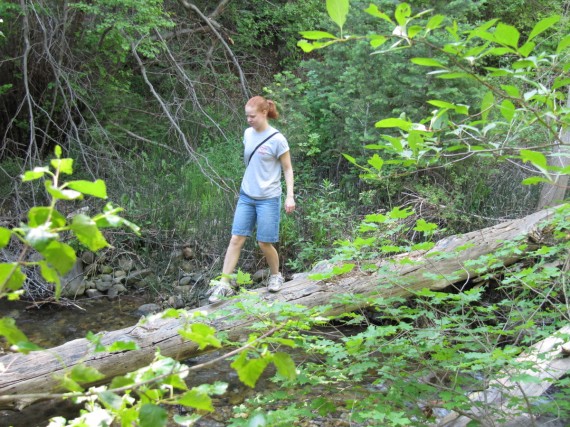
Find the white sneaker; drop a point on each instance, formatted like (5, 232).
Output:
(275, 282)
(219, 291)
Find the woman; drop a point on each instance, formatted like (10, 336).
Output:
(266, 155)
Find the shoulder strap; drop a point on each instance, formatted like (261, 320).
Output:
(259, 145)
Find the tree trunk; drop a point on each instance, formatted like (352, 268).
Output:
(34, 373)
(551, 194)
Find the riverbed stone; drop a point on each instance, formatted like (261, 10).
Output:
(186, 280)
(147, 309)
(126, 264)
(105, 269)
(88, 257)
(115, 291)
(72, 284)
(260, 275)
(119, 273)
(187, 253)
(103, 286)
(176, 301)
(93, 293)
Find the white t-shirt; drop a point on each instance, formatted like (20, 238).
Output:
(262, 178)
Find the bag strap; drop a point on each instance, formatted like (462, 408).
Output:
(259, 145)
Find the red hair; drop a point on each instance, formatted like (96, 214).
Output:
(262, 104)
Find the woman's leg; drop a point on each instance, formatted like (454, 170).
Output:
(232, 256)
(271, 256)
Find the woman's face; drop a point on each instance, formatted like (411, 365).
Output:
(257, 119)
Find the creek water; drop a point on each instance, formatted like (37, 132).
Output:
(51, 325)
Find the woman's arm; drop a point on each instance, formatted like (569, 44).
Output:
(287, 167)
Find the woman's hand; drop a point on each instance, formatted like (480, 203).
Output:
(289, 204)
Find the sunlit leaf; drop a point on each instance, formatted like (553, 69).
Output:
(338, 10)
(196, 399)
(305, 46)
(34, 174)
(374, 11)
(11, 276)
(83, 374)
(63, 165)
(486, 103)
(285, 365)
(427, 62)
(60, 194)
(201, 334)
(507, 35)
(88, 233)
(60, 255)
(317, 35)
(5, 235)
(507, 109)
(9, 330)
(152, 416)
(248, 370)
(543, 25)
(39, 215)
(96, 188)
(394, 123)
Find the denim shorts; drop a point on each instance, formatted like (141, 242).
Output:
(266, 213)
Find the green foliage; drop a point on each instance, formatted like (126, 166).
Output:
(43, 231)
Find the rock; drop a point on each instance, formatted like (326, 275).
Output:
(186, 280)
(102, 285)
(89, 284)
(120, 273)
(88, 257)
(72, 284)
(106, 277)
(187, 253)
(184, 291)
(115, 291)
(126, 263)
(105, 269)
(147, 309)
(187, 266)
(93, 293)
(176, 301)
(136, 276)
(260, 275)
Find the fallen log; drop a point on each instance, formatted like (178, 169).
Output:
(493, 406)
(23, 377)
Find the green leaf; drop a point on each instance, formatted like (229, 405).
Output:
(305, 46)
(526, 49)
(427, 62)
(9, 330)
(285, 365)
(34, 174)
(57, 151)
(374, 11)
(377, 40)
(563, 44)
(397, 213)
(39, 215)
(402, 13)
(201, 334)
(345, 268)
(70, 385)
(506, 35)
(83, 374)
(49, 274)
(152, 416)
(88, 233)
(376, 162)
(511, 90)
(96, 188)
(317, 35)
(394, 123)
(435, 22)
(196, 399)
(507, 109)
(560, 82)
(60, 255)
(338, 10)
(63, 165)
(349, 158)
(425, 227)
(543, 25)
(376, 218)
(534, 157)
(486, 104)
(62, 194)
(249, 371)
(533, 180)
(120, 346)
(11, 276)
(5, 235)
(110, 400)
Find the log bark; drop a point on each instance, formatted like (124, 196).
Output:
(550, 361)
(21, 375)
